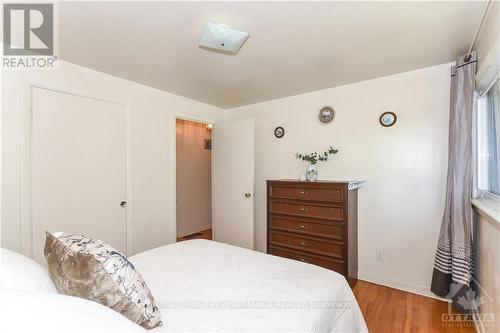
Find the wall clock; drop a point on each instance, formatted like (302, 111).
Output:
(279, 132)
(387, 119)
(326, 114)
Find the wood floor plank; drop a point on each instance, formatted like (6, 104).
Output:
(205, 234)
(388, 310)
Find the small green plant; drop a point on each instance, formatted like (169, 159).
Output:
(313, 158)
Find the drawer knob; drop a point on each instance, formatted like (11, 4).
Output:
(303, 226)
(303, 209)
(303, 243)
(303, 192)
(302, 259)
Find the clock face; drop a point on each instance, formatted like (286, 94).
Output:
(388, 119)
(279, 132)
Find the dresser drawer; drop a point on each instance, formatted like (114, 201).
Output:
(329, 263)
(306, 243)
(308, 210)
(333, 230)
(309, 194)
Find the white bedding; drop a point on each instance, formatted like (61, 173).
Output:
(54, 313)
(205, 286)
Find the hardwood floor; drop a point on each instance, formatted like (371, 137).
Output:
(389, 310)
(205, 234)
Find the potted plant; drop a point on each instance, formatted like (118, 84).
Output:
(313, 158)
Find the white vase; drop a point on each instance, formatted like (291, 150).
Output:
(312, 173)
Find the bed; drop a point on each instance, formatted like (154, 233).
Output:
(199, 286)
(206, 286)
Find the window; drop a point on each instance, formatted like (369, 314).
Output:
(488, 142)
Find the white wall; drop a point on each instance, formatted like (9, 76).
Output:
(489, 38)
(487, 236)
(194, 178)
(487, 230)
(152, 129)
(401, 204)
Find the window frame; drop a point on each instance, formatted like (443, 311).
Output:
(486, 202)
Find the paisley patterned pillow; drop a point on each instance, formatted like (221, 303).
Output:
(87, 268)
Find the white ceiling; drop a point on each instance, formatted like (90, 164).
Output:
(294, 47)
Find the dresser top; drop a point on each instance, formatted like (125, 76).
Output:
(351, 184)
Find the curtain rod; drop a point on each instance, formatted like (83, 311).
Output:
(467, 57)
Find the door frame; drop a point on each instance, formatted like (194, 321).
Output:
(26, 130)
(172, 160)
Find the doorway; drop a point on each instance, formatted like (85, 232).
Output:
(193, 180)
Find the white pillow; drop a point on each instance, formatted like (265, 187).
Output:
(21, 273)
(55, 313)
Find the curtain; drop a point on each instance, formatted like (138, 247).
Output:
(452, 274)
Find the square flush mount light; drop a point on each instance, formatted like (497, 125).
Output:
(220, 37)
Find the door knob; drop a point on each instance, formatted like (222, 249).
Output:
(123, 204)
(248, 195)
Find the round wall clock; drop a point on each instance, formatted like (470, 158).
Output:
(387, 119)
(279, 132)
(326, 114)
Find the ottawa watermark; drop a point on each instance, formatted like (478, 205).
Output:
(30, 36)
(471, 302)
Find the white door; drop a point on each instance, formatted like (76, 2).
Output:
(233, 165)
(79, 168)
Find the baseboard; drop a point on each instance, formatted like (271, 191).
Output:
(408, 287)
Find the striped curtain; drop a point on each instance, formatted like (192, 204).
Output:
(452, 275)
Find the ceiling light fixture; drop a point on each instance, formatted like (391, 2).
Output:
(220, 37)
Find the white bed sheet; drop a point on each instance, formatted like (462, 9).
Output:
(206, 286)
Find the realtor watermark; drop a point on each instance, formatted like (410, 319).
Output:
(470, 302)
(30, 36)
(254, 304)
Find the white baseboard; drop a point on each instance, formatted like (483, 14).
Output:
(404, 286)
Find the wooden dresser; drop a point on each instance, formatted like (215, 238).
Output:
(314, 222)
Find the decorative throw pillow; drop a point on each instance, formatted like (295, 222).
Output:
(87, 268)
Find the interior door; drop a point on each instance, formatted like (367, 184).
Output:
(79, 168)
(233, 165)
